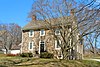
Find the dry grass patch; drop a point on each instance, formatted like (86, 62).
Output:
(40, 62)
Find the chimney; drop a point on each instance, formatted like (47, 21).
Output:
(33, 17)
(72, 12)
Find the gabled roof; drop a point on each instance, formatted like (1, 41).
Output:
(34, 25)
(15, 47)
(39, 24)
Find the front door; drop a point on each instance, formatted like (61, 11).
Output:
(41, 46)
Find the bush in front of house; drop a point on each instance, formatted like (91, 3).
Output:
(26, 55)
(46, 55)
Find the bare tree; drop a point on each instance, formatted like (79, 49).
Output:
(11, 35)
(75, 19)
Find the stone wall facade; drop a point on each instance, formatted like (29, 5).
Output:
(49, 42)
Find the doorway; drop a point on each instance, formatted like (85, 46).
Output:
(41, 46)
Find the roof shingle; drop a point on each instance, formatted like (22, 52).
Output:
(39, 24)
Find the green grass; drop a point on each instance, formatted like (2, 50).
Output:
(97, 57)
(7, 61)
(92, 56)
(91, 63)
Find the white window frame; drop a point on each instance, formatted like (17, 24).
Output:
(32, 33)
(32, 45)
(57, 48)
(41, 32)
(39, 46)
(58, 31)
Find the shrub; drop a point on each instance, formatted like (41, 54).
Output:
(36, 52)
(30, 55)
(26, 55)
(46, 55)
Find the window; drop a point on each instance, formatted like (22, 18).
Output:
(31, 33)
(57, 43)
(42, 32)
(57, 32)
(31, 45)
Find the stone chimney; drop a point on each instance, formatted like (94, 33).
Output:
(72, 12)
(72, 15)
(33, 17)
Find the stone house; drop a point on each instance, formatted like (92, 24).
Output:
(37, 38)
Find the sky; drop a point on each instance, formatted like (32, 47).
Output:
(15, 11)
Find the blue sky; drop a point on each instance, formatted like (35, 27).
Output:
(15, 11)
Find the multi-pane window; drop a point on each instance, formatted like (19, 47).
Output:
(31, 33)
(31, 45)
(42, 32)
(57, 44)
(57, 32)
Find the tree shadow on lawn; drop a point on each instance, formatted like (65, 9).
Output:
(53, 63)
(38, 63)
(8, 62)
(18, 61)
(3, 66)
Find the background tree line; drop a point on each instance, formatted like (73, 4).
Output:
(10, 35)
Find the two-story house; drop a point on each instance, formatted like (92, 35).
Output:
(36, 37)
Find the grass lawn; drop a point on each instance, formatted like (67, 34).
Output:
(6, 61)
(97, 57)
